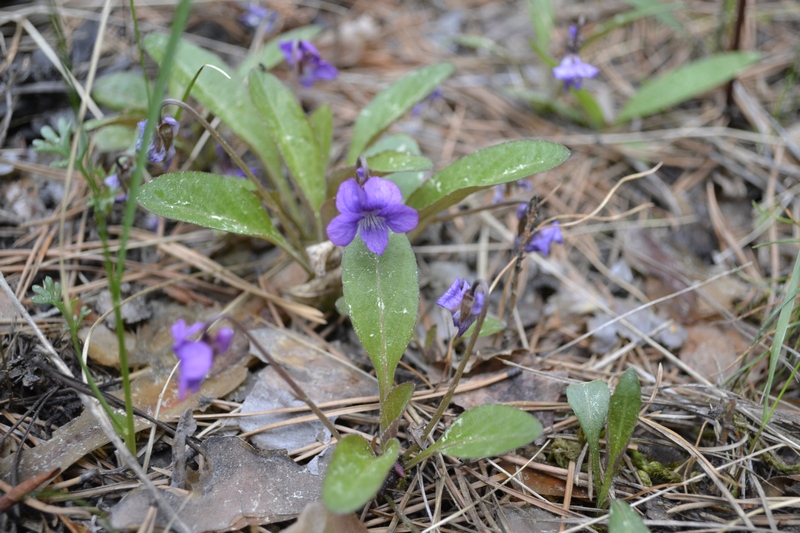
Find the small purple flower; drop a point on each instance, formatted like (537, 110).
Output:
(572, 71)
(255, 15)
(464, 307)
(161, 149)
(304, 56)
(371, 212)
(196, 356)
(542, 239)
(112, 182)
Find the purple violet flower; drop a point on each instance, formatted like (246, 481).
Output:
(255, 15)
(196, 356)
(454, 301)
(371, 212)
(161, 149)
(572, 71)
(542, 239)
(304, 56)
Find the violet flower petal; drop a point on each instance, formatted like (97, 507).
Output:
(343, 228)
(375, 233)
(400, 218)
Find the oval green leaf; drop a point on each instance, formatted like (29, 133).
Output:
(483, 169)
(392, 103)
(321, 121)
(355, 475)
(210, 200)
(407, 181)
(121, 91)
(491, 325)
(393, 406)
(486, 431)
(382, 293)
(292, 133)
(229, 99)
(391, 161)
(624, 519)
(589, 402)
(623, 412)
(685, 82)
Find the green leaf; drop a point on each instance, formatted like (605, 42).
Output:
(589, 402)
(321, 121)
(667, 18)
(393, 406)
(483, 169)
(382, 293)
(271, 56)
(485, 431)
(590, 106)
(644, 8)
(392, 103)
(398, 162)
(624, 519)
(292, 133)
(217, 202)
(121, 91)
(685, 82)
(491, 325)
(114, 138)
(542, 16)
(623, 412)
(355, 475)
(228, 99)
(407, 181)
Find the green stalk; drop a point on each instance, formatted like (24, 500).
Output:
(456, 378)
(141, 51)
(115, 281)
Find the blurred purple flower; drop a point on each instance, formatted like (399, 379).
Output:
(255, 15)
(161, 148)
(112, 182)
(371, 212)
(455, 299)
(196, 356)
(304, 56)
(572, 71)
(542, 239)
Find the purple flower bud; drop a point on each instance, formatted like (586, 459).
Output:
(572, 71)
(161, 149)
(463, 304)
(255, 15)
(196, 356)
(542, 239)
(371, 212)
(305, 57)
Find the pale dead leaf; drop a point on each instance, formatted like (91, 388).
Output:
(316, 518)
(240, 487)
